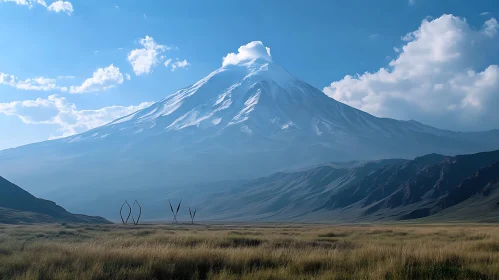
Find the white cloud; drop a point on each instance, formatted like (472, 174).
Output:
(485, 13)
(145, 59)
(68, 77)
(167, 62)
(61, 6)
(491, 27)
(102, 79)
(57, 6)
(56, 110)
(7, 79)
(180, 64)
(128, 77)
(29, 3)
(40, 83)
(248, 52)
(441, 77)
(412, 2)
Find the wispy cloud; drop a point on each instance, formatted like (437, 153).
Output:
(69, 77)
(39, 83)
(102, 79)
(56, 110)
(491, 27)
(179, 64)
(57, 6)
(27, 3)
(167, 62)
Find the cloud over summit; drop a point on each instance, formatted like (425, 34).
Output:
(248, 52)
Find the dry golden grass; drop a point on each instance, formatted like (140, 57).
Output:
(246, 251)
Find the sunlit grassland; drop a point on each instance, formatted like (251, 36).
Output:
(250, 251)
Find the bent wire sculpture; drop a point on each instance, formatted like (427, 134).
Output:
(175, 213)
(129, 212)
(193, 215)
(140, 213)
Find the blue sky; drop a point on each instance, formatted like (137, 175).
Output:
(321, 42)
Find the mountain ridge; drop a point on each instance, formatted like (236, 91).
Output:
(19, 206)
(240, 122)
(383, 190)
(425, 188)
(428, 185)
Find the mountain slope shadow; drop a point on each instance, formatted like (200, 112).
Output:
(19, 206)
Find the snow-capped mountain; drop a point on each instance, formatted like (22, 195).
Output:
(248, 118)
(257, 106)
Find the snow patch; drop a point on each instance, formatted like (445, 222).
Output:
(149, 114)
(250, 106)
(75, 139)
(124, 119)
(225, 105)
(189, 119)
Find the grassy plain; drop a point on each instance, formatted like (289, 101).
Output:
(250, 251)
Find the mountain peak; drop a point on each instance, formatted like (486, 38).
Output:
(260, 69)
(252, 99)
(226, 97)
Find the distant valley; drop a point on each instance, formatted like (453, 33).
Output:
(432, 187)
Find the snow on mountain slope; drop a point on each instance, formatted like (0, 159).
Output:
(246, 119)
(256, 98)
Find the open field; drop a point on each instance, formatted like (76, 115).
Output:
(250, 251)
